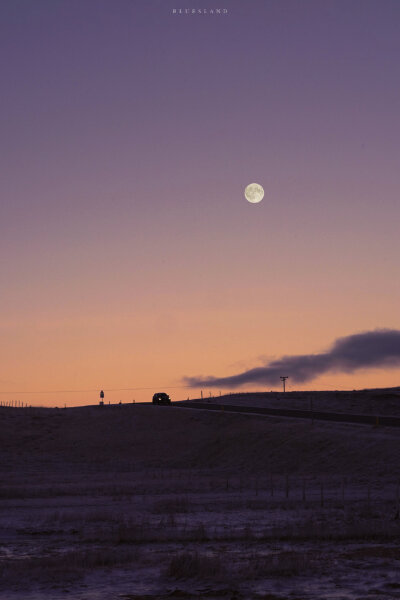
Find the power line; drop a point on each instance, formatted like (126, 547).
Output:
(132, 389)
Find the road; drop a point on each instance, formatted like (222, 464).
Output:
(295, 413)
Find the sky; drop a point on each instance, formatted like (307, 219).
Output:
(129, 258)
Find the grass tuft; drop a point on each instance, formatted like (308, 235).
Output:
(193, 565)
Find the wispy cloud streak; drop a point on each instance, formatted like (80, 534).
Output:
(371, 349)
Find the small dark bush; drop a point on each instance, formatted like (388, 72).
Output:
(192, 565)
(282, 564)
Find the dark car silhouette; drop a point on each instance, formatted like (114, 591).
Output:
(161, 398)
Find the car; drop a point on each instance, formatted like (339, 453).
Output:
(161, 398)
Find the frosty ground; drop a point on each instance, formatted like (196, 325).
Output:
(140, 501)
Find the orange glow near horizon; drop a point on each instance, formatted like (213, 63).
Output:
(114, 354)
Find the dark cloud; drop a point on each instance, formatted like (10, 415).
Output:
(372, 349)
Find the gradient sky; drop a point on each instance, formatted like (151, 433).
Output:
(129, 256)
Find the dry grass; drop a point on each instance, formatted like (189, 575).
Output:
(227, 483)
(63, 566)
(194, 565)
(169, 506)
(281, 564)
(195, 440)
(311, 530)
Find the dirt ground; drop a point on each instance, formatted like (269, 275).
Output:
(144, 502)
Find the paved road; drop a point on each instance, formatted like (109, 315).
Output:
(300, 414)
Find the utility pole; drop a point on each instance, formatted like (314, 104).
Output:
(283, 379)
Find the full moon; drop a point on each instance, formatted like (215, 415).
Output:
(254, 193)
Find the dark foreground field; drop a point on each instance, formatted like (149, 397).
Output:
(135, 502)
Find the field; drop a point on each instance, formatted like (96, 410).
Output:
(362, 402)
(144, 502)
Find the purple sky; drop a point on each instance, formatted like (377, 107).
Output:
(129, 256)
